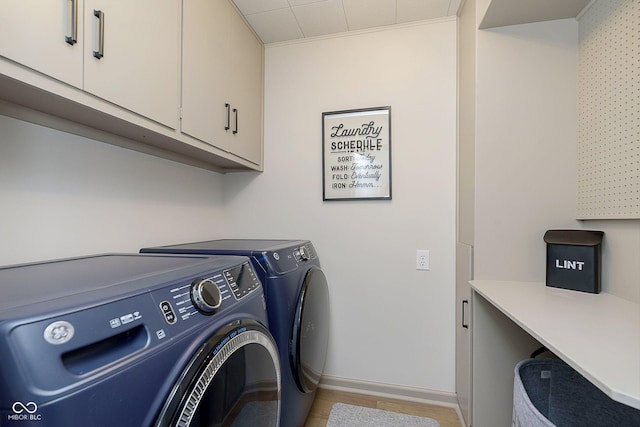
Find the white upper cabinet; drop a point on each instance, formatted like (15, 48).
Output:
(44, 36)
(140, 46)
(138, 67)
(221, 79)
(127, 68)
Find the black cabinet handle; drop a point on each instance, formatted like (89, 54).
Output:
(235, 112)
(464, 323)
(228, 107)
(72, 38)
(100, 52)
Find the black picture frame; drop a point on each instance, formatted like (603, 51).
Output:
(356, 154)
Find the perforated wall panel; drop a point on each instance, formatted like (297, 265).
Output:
(609, 111)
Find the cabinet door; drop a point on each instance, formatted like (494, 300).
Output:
(245, 64)
(221, 72)
(464, 272)
(34, 33)
(141, 56)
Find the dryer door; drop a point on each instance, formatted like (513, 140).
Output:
(233, 380)
(310, 333)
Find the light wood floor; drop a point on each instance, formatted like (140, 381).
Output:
(319, 414)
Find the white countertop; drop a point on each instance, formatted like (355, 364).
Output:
(597, 334)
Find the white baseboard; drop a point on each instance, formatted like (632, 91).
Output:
(391, 391)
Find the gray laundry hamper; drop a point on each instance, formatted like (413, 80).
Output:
(548, 393)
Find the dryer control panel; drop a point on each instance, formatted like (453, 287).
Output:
(304, 253)
(285, 260)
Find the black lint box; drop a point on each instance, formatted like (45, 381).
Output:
(573, 259)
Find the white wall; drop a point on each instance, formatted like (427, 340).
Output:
(63, 195)
(525, 145)
(390, 323)
(526, 158)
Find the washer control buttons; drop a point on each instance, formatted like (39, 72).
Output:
(167, 311)
(205, 295)
(242, 280)
(59, 332)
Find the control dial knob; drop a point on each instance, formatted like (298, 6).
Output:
(205, 295)
(304, 255)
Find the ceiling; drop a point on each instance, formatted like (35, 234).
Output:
(283, 20)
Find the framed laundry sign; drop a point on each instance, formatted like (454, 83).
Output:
(356, 154)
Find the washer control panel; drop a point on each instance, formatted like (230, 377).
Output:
(200, 295)
(207, 294)
(242, 280)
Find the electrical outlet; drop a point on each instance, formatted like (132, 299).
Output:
(422, 259)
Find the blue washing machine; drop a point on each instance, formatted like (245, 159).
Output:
(297, 305)
(136, 340)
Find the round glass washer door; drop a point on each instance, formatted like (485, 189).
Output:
(232, 380)
(310, 334)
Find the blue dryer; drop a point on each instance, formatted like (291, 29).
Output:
(298, 308)
(136, 340)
